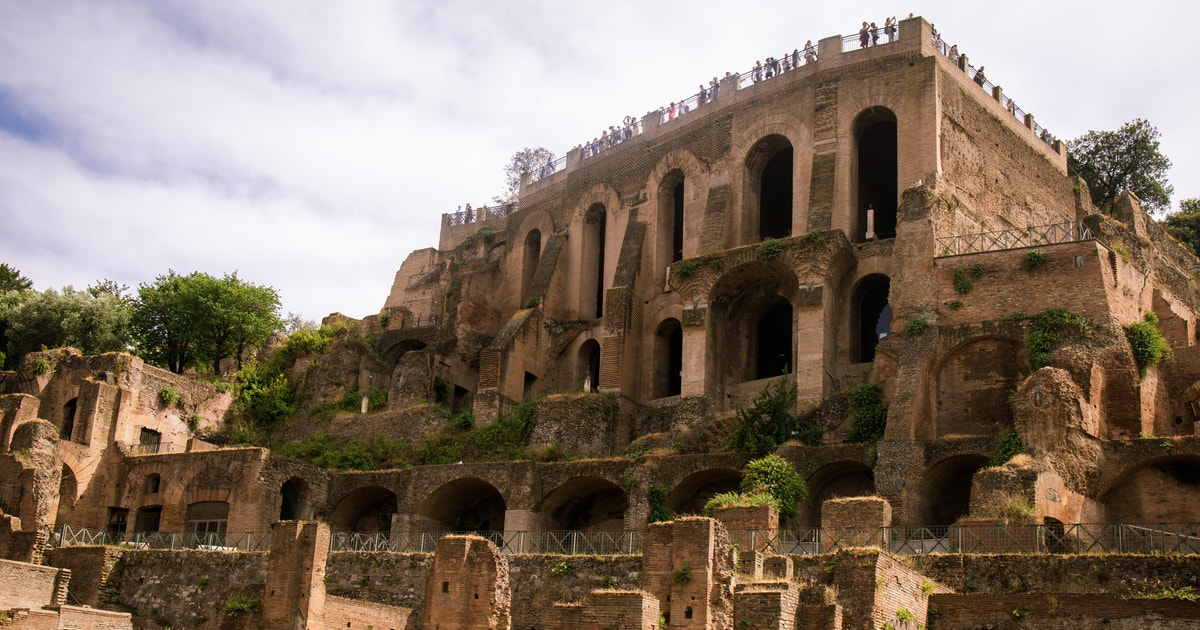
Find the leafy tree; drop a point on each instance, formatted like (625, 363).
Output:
(527, 160)
(34, 320)
(12, 280)
(1125, 159)
(181, 320)
(778, 477)
(1185, 224)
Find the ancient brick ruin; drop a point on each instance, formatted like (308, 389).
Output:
(873, 216)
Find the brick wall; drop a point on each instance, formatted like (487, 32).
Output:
(31, 585)
(1061, 612)
(468, 587)
(354, 614)
(90, 568)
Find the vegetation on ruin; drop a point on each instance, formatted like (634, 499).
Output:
(1007, 445)
(656, 498)
(95, 320)
(739, 500)
(168, 396)
(1149, 346)
(1034, 259)
(1184, 225)
(962, 284)
(770, 480)
(769, 250)
(41, 366)
(239, 604)
(1047, 332)
(916, 326)
(869, 413)
(1126, 159)
(527, 160)
(770, 420)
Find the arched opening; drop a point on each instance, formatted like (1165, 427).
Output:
(668, 359)
(152, 484)
(670, 222)
(68, 419)
(946, 490)
(872, 316)
(1162, 490)
(753, 333)
(974, 384)
(207, 520)
(773, 339)
(769, 171)
(395, 352)
(293, 500)
(533, 255)
(591, 284)
(68, 490)
(691, 494)
(366, 509)
(587, 372)
(835, 481)
(463, 505)
(875, 147)
(586, 504)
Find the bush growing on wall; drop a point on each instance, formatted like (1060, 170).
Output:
(768, 421)
(870, 414)
(1149, 346)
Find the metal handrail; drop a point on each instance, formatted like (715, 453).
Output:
(1016, 238)
(68, 536)
(483, 213)
(570, 542)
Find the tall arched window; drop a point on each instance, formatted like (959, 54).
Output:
(769, 173)
(533, 254)
(592, 276)
(668, 359)
(588, 371)
(773, 340)
(875, 150)
(872, 316)
(670, 221)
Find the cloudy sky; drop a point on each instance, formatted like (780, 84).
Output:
(311, 145)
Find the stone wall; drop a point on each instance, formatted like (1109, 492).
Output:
(187, 589)
(1053, 611)
(90, 569)
(31, 585)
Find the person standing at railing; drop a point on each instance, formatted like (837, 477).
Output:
(757, 72)
(874, 34)
(795, 57)
(701, 96)
(864, 35)
(889, 27)
(468, 217)
(953, 54)
(714, 88)
(980, 78)
(810, 53)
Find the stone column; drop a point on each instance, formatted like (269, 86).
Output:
(294, 594)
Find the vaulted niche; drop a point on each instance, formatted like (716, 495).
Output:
(871, 315)
(588, 365)
(591, 289)
(668, 359)
(586, 504)
(533, 255)
(769, 169)
(464, 505)
(753, 336)
(945, 491)
(876, 163)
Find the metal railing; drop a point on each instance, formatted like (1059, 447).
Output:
(10, 498)
(1158, 538)
(67, 536)
(550, 542)
(874, 37)
(483, 213)
(1068, 232)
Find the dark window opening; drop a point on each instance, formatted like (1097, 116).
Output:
(592, 289)
(874, 316)
(462, 399)
(289, 507)
(533, 255)
(68, 425)
(118, 519)
(148, 441)
(588, 374)
(445, 587)
(152, 484)
(687, 613)
(668, 359)
(775, 197)
(774, 341)
(677, 224)
(147, 518)
(530, 382)
(877, 172)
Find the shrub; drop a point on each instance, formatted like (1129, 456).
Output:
(1148, 345)
(768, 421)
(778, 477)
(769, 250)
(815, 237)
(1046, 331)
(384, 320)
(685, 269)
(656, 497)
(562, 569)
(961, 283)
(955, 305)
(1007, 445)
(193, 423)
(809, 433)
(239, 604)
(682, 576)
(261, 396)
(916, 326)
(463, 421)
(1034, 259)
(532, 302)
(739, 499)
(168, 396)
(870, 414)
(975, 271)
(41, 366)
(441, 388)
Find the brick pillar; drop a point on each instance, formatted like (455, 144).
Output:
(854, 522)
(294, 595)
(688, 565)
(468, 587)
(62, 582)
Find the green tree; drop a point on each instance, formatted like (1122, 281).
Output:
(12, 280)
(181, 320)
(777, 477)
(35, 320)
(1126, 159)
(1185, 224)
(527, 160)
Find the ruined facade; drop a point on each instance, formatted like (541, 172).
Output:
(874, 216)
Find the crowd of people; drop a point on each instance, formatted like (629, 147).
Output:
(869, 34)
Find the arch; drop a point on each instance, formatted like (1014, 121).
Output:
(152, 483)
(670, 221)
(208, 518)
(587, 365)
(366, 509)
(875, 172)
(870, 315)
(68, 491)
(945, 490)
(469, 504)
(529, 265)
(668, 358)
(973, 384)
(293, 500)
(585, 504)
(837, 480)
(1159, 490)
(754, 322)
(769, 172)
(393, 353)
(592, 272)
(68, 419)
(691, 494)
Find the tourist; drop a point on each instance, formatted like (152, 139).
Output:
(714, 89)
(756, 74)
(629, 121)
(874, 34)
(1012, 107)
(980, 78)
(701, 96)
(889, 27)
(953, 54)
(787, 64)
(810, 53)
(470, 215)
(864, 35)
